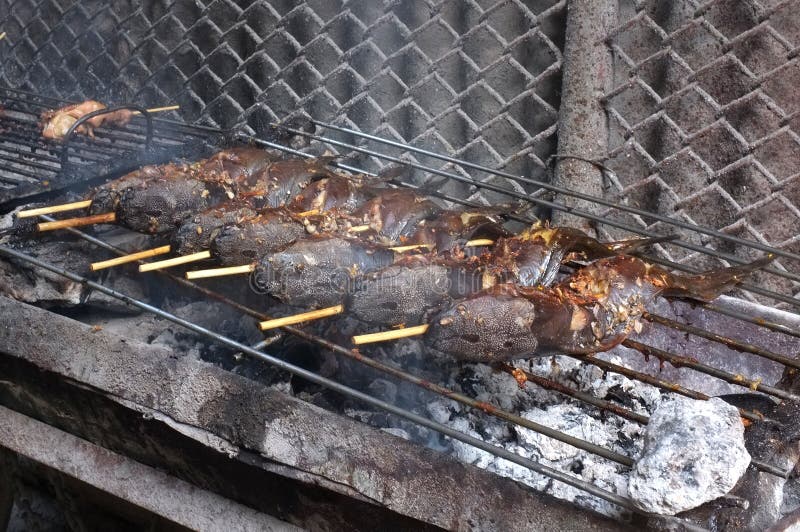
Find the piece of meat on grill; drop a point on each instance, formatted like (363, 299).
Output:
(453, 228)
(418, 282)
(158, 199)
(337, 191)
(56, 123)
(534, 256)
(201, 230)
(394, 215)
(592, 311)
(247, 241)
(410, 290)
(318, 271)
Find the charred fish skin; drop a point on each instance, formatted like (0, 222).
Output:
(337, 191)
(161, 206)
(400, 294)
(396, 213)
(280, 182)
(248, 241)
(534, 256)
(198, 232)
(317, 272)
(105, 198)
(487, 327)
(592, 311)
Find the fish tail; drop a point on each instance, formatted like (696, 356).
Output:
(712, 283)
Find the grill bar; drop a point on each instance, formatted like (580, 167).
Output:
(737, 345)
(555, 205)
(777, 327)
(686, 362)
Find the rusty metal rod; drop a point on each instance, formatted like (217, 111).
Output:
(549, 384)
(661, 384)
(761, 322)
(729, 342)
(680, 361)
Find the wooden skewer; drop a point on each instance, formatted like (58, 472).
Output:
(479, 242)
(359, 228)
(403, 249)
(108, 217)
(124, 259)
(312, 212)
(396, 334)
(219, 272)
(2, 36)
(54, 208)
(300, 318)
(159, 109)
(168, 263)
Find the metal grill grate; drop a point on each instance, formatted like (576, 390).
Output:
(703, 121)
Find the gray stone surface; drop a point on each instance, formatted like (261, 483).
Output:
(693, 452)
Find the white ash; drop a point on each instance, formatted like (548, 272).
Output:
(547, 408)
(694, 452)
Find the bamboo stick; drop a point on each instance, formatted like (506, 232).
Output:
(124, 259)
(108, 217)
(176, 261)
(219, 272)
(2, 36)
(300, 318)
(403, 249)
(385, 336)
(159, 109)
(312, 212)
(359, 228)
(479, 242)
(54, 208)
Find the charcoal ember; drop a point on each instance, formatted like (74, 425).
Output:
(200, 231)
(160, 206)
(694, 452)
(317, 272)
(399, 294)
(247, 242)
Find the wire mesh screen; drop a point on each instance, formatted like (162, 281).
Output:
(478, 79)
(703, 120)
